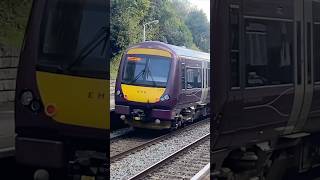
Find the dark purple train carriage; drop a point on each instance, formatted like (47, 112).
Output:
(161, 86)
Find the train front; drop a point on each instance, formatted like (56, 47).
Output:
(145, 96)
(61, 105)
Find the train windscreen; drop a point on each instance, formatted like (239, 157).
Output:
(74, 37)
(146, 70)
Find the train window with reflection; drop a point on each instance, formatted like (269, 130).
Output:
(74, 37)
(316, 52)
(147, 70)
(269, 59)
(193, 78)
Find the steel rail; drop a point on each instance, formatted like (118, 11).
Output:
(154, 141)
(159, 164)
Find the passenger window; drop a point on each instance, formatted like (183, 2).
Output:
(234, 43)
(269, 59)
(194, 78)
(183, 74)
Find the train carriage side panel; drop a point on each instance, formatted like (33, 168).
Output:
(313, 122)
(254, 100)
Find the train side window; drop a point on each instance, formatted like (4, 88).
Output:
(316, 51)
(193, 78)
(269, 45)
(183, 76)
(234, 44)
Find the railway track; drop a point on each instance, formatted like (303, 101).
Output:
(182, 164)
(137, 158)
(120, 133)
(126, 144)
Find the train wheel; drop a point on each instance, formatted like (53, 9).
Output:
(174, 125)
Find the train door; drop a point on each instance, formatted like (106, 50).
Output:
(308, 119)
(192, 84)
(205, 91)
(187, 82)
(260, 65)
(267, 61)
(183, 81)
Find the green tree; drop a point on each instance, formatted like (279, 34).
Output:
(176, 25)
(126, 18)
(182, 8)
(199, 26)
(171, 28)
(13, 20)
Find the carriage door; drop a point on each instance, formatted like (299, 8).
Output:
(303, 66)
(268, 58)
(310, 67)
(204, 94)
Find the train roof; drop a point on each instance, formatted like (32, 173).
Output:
(181, 51)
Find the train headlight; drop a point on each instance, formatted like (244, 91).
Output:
(26, 98)
(35, 106)
(118, 92)
(165, 97)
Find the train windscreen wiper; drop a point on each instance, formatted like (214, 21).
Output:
(150, 75)
(92, 45)
(138, 76)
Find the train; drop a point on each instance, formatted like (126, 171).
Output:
(162, 86)
(62, 90)
(266, 93)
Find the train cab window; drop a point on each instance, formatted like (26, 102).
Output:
(193, 78)
(269, 46)
(146, 70)
(74, 37)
